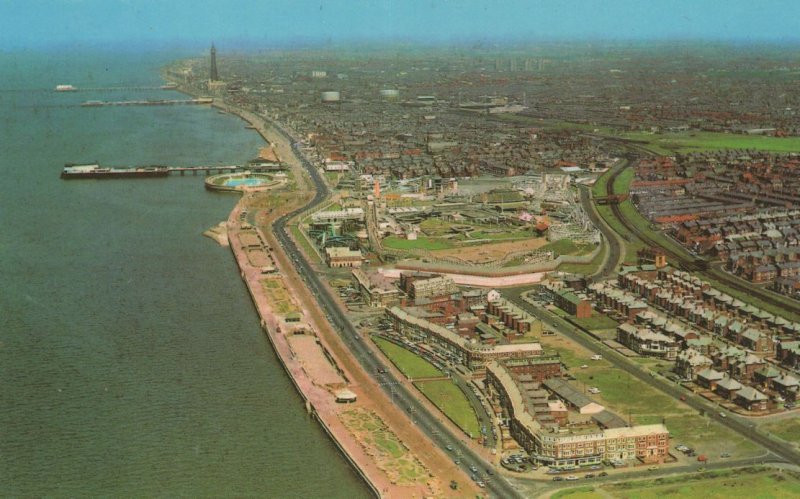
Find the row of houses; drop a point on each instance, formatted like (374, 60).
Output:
(574, 439)
(470, 352)
(716, 334)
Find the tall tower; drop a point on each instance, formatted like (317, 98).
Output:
(213, 76)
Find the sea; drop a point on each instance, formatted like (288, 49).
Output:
(131, 358)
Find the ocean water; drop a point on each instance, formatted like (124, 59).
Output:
(131, 359)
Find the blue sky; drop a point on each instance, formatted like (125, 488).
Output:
(193, 23)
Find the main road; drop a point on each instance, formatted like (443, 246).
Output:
(427, 422)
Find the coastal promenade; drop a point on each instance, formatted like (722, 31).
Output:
(419, 469)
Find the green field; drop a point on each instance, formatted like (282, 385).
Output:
(567, 247)
(453, 403)
(787, 429)
(304, 243)
(623, 181)
(743, 483)
(425, 243)
(597, 321)
(599, 187)
(409, 363)
(696, 141)
(586, 268)
(503, 235)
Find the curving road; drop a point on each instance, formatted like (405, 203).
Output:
(427, 422)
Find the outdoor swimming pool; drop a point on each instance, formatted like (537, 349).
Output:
(249, 182)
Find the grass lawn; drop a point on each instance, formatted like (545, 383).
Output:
(511, 234)
(304, 243)
(567, 247)
(599, 186)
(597, 321)
(623, 181)
(787, 429)
(393, 456)
(743, 483)
(278, 296)
(587, 492)
(695, 141)
(585, 268)
(737, 483)
(453, 403)
(425, 243)
(409, 363)
(434, 227)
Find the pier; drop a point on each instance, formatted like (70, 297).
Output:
(140, 88)
(207, 170)
(160, 102)
(94, 170)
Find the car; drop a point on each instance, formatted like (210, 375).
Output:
(595, 467)
(681, 448)
(588, 475)
(453, 484)
(597, 357)
(584, 366)
(700, 469)
(602, 473)
(572, 478)
(449, 447)
(558, 478)
(473, 468)
(722, 415)
(725, 454)
(594, 390)
(652, 468)
(490, 471)
(481, 484)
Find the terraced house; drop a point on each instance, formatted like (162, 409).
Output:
(578, 439)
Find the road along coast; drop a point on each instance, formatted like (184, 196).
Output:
(392, 455)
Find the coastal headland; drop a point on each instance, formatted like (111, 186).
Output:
(392, 455)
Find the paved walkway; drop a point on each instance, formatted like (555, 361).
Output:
(370, 395)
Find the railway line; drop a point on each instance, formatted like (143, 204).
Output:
(695, 264)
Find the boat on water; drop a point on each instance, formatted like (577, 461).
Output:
(169, 86)
(65, 88)
(94, 170)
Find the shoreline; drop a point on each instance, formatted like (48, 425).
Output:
(373, 469)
